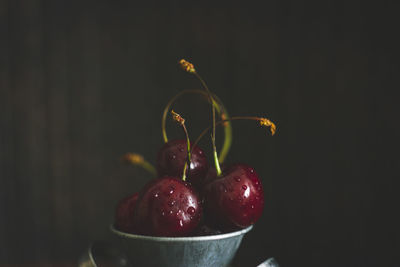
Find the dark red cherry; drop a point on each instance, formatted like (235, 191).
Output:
(171, 160)
(124, 213)
(235, 199)
(167, 207)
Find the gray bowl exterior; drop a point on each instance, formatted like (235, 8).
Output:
(201, 251)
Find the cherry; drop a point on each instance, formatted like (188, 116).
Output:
(124, 213)
(235, 199)
(167, 207)
(172, 157)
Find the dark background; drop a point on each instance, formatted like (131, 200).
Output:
(83, 82)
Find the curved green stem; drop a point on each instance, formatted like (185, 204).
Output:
(217, 103)
(215, 154)
(216, 162)
(227, 131)
(189, 153)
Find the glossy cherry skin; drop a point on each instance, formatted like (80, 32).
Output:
(172, 157)
(167, 207)
(235, 199)
(124, 213)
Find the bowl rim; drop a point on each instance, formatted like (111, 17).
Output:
(181, 239)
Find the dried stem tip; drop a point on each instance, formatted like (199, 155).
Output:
(268, 123)
(187, 66)
(178, 118)
(224, 118)
(133, 158)
(136, 159)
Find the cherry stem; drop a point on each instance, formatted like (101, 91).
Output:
(138, 160)
(178, 118)
(188, 67)
(227, 132)
(211, 101)
(220, 109)
(263, 122)
(215, 154)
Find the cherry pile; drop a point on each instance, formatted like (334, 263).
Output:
(187, 197)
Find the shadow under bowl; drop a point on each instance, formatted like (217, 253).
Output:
(200, 251)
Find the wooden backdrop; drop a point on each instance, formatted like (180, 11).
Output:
(82, 82)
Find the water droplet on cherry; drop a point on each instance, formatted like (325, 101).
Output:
(237, 179)
(244, 187)
(191, 210)
(170, 191)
